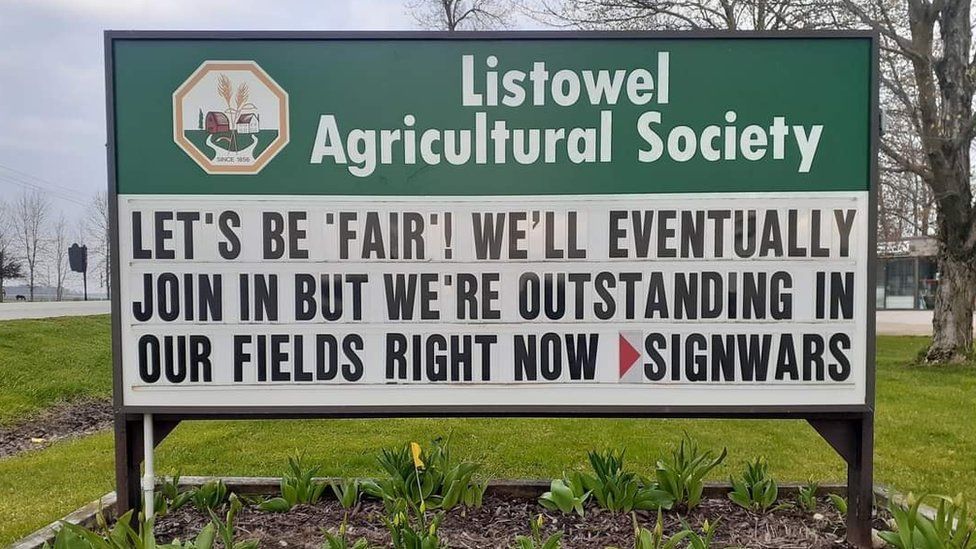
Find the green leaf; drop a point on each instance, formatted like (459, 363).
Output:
(275, 505)
(651, 499)
(66, 538)
(839, 503)
(290, 494)
(205, 539)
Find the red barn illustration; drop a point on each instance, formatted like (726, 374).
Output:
(217, 122)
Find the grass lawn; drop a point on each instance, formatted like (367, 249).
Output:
(926, 441)
(49, 360)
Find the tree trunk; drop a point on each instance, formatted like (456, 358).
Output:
(952, 321)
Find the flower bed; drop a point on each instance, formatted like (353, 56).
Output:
(427, 499)
(501, 519)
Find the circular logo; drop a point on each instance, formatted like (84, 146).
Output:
(230, 117)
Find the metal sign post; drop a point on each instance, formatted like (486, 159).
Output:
(149, 477)
(515, 224)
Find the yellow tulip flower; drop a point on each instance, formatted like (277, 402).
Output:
(415, 450)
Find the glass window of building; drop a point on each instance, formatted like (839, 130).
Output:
(928, 282)
(900, 283)
(879, 282)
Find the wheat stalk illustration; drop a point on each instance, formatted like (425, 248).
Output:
(237, 103)
(224, 88)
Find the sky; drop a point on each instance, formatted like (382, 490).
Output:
(52, 102)
(52, 89)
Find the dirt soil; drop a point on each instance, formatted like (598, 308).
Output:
(63, 421)
(499, 520)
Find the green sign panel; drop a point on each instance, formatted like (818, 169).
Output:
(491, 117)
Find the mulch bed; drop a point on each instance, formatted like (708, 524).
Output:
(500, 519)
(66, 420)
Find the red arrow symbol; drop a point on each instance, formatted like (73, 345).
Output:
(628, 356)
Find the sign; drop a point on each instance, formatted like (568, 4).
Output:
(78, 258)
(421, 224)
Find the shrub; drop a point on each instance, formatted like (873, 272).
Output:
(210, 496)
(565, 495)
(438, 481)
(347, 492)
(646, 539)
(756, 490)
(123, 536)
(204, 540)
(839, 503)
(339, 541)
(120, 536)
(952, 527)
(409, 467)
(703, 540)
(617, 490)
(807, 497)
(654, 539)
(225, 528)
(168, 496)
(297, 486)
(408, 533)
(683, 475)
(536, 541)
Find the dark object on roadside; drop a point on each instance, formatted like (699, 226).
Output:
(78, 261)
(21, 298)
(78, 258)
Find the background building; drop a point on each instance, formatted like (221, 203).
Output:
(908, 273)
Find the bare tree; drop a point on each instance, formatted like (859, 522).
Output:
(679, 14)
(59, 255)
(931, 42)
(30, 213)
(454, 15)
(906, 204)
(928, 72)
(97, 235)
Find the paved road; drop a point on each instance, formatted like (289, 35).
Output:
(905, 322)
(45, 309)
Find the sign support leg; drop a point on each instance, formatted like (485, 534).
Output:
(860, 483)
(130, 434)
(128, 455)
(149, 480)
(853, 439)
